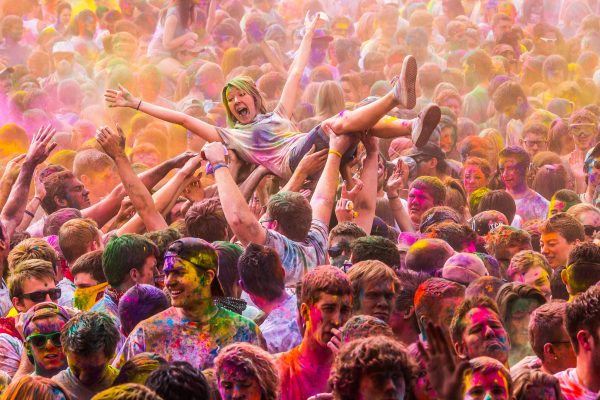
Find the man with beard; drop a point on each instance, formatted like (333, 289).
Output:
(477, 330)
(583, 325)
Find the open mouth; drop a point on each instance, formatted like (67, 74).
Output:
(242, 110)
(51, 356)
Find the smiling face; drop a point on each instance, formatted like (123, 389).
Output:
(556, 249)
(481, 385)
(484, 335)
(328, 312)
(241, 105)
(237, 384)
(513, 173)
(474, 178)
(48, 359)
(186, 287)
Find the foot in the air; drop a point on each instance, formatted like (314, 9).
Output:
(404, 89)
(424, 125)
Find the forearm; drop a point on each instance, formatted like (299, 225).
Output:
(400, 215)
(272, 57)
(29, 213)
(5, 188)
(139, 195)
(323, 198)
(249, 185)
(237, 212)
(296, 181)
(366, 199)
(12, 213)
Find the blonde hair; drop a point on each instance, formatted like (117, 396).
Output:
(30, 249)
(246, 85)
(330, 99)
(29, 269)
(34, 388)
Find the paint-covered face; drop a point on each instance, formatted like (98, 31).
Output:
(48, 358)
(518, 321)
(513, 173)
(90, 368)
(77, 196)
(376, 299)
(556, 249)
(536, 277)
(330, 311)
(474, 178)
(419, 201)
(186, 287)
(382, 385)
(236, 384)
(556, 206)
(339, 250)
(485, 386)
(242, 105)
(484, 335)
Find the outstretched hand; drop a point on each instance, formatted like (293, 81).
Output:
(41, 147)
(112, 142)
(445, 375)
(120, 98)
(313, 162)
(398, 179)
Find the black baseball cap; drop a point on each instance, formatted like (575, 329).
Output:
(429, 149)
(200, 253)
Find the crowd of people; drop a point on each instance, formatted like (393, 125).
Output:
(300, 199)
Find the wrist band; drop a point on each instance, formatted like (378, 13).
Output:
(337, 153)
(29, 213)
(37, 197)
(210, 169)
(139, 104)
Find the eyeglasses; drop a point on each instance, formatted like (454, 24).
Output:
(39, 340)
(337, 250)
(590, 230)
(421, 158)
(530, 143)
(40, 295)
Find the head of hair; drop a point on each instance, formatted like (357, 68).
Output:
(56, 186)
(179, 381)
(138, 367)
(516, 152)
(433, 186)
(90, 162)
(436, 215)
(206, 220)
(350, 229)
(246, 85)
(457, 327)
(578, 209)
(139, 303)
(484, 286)
(254, 362)
(293, 214)
(90, 263)
(163, 239)
(546, 324)
(29, 269)
(524, 260)
(76, 236)
(506, 95)
(409, 282)
(375, 248)
(486, 365)
(32, 249)
(124, 253)
(430, 293)
(254, 264)
(362, 326)
(505, 236)
(456, 235)
(324, 279)
(369, 271)
(565, 225)
(549, 179)
(583, 313)
(228, 275)
(583, 267)
(428, 255)
(513, 291)
(527, 378)
(364, 356)
(90, 332)
(35, 387)
(55, 220)
(127, 391)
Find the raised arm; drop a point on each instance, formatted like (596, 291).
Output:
(39, 149)
(237, 212)
(323, 199)
(165, 196)
(286, 104)
(169, 41)
(308, 166)
(113, 144)
(366, 199)
(122, 98)
(394, 185)
(103, 211)
(11, 172)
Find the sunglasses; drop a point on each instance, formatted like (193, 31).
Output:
(40, 295)
(39, 340)
(337, 250)
(590, 230)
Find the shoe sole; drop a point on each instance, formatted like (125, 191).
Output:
(431, 119)
(408, 79)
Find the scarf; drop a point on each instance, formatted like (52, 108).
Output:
(85, 298)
